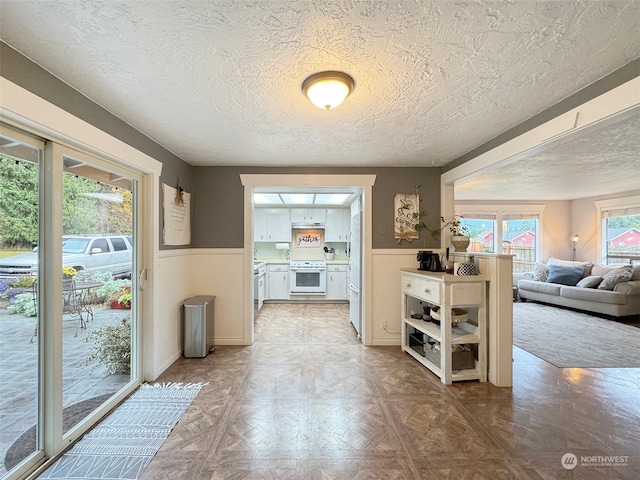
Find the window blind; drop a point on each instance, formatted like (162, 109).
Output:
(520, 216)
(621, 212)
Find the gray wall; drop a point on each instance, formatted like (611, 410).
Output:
(218, 202)
(20, 70)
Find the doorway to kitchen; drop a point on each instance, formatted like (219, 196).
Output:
(304, 241)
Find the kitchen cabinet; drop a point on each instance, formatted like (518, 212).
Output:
(450, 343)
(308, 215)
(278, 225)
(259, 225)
(278, 282)
(271, 225)
(338, 225)
(337, 282)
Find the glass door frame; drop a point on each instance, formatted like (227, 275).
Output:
(50, 440)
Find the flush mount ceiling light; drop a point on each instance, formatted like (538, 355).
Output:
(327, 90)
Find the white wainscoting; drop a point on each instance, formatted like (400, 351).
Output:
(385, 315)
(219, 272)
(172, 287)
(182, 274)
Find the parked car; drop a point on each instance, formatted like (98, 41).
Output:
(93, 253)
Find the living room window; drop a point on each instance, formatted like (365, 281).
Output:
(513, 230)
(482, 230)
(520, 239)
(621, 236)
(619, 230)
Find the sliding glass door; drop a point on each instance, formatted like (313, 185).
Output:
(98, 292)
(69, 301)
(20, 161)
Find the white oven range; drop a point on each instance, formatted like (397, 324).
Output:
(308, 277)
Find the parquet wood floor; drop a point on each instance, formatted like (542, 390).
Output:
(308, 401)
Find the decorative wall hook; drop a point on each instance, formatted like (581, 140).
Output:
(179, 200)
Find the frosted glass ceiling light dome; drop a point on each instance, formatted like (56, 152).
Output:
(327, 90)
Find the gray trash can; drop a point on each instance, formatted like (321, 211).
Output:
(198, 326)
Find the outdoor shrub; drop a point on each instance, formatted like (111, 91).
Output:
(24, 304)
(25, 281)
(10, 288)
(110, 288)
(5, 289)
(112, 346)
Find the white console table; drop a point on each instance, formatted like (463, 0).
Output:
(422, 289)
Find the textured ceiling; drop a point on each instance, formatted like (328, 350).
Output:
(600, 160)
(218, 82)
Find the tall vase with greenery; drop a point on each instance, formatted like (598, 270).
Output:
(459, 233)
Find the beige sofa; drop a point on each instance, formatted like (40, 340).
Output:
(618, 296)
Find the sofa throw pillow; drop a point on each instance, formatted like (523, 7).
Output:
(565, 275)
(540, 272)
(611, 279)
(571, 263)
(592, 281)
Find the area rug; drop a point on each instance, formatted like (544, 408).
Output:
(124, 443)
(569, 339)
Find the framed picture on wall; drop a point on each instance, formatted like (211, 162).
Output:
(304, 240)
(405, 205)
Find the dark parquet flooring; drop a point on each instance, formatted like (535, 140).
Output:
(308, 401)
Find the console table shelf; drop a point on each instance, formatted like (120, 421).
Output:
(431, 344)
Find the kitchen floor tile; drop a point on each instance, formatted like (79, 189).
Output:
(309, 401)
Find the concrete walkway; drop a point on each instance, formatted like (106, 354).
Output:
(19, 370)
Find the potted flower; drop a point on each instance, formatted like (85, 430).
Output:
(68, 273)
(121, 298)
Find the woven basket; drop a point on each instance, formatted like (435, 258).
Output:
(457, 314)
(459, 360)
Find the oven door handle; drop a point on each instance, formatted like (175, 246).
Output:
(308, 270)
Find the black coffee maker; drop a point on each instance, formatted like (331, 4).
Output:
(429, 261)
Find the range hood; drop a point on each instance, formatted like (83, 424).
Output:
(307, 225)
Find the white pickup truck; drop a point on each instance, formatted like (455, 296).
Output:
(93, 253)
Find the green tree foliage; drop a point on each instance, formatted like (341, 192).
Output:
(82, 212)
(18, 203)
(628, 221)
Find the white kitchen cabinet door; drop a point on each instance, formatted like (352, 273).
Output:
(278, 282)
(318, 215)
(310, 215)
(338, 224)
(300, 215)
(259, 225)
(337, 282)
(278, 225)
